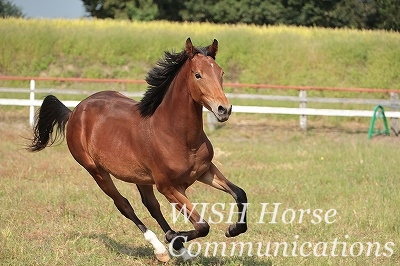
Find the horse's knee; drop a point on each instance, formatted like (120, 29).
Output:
(202, 229)
(240, 195)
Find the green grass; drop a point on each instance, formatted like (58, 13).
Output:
(53, 213)
(248, 54)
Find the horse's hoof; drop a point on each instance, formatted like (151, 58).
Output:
(163, 257)
(185, 255)
(169, 236)
(189, 259)
(227, 234)
(234, 230)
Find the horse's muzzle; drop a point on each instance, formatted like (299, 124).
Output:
(223, 113)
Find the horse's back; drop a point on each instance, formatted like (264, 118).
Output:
(107, 95)
(107, 98)
(110, 109)
(104, 104)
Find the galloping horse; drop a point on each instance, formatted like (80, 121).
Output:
(157, 141)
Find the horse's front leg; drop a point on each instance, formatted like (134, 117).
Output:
(177, 196)
(216, 179)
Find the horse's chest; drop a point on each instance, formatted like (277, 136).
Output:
(200, 162)
(188, 167)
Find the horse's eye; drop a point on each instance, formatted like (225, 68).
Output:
(197, 75)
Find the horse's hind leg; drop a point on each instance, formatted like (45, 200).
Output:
(105, 182)
(149, 200)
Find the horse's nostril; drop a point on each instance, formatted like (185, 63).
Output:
(222, 110)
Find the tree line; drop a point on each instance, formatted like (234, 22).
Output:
(9, 9)
(358, 14)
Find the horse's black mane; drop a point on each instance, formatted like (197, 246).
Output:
(160, 77)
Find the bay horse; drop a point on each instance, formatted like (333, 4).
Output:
(157, 141)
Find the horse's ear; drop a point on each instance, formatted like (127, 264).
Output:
(189, 48)
(213, 49)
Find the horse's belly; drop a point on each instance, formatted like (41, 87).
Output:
(123, 162)
(130, 173)
(137, 178)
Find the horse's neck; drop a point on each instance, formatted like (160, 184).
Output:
(178, 113)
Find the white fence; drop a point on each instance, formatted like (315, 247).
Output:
(302, 111)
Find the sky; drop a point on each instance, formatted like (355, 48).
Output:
(51, 8)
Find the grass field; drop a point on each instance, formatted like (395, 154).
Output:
(247, 53)
(53, 213)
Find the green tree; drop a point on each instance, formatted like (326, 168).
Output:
(233, 11)
(360, 14)
(387, 15)
(331, 13)
(8, 9)
(144, 10)
(169, 9)
(122, 9)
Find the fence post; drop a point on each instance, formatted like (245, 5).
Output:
(303, 104)
(211, 121)
(32, 104)
(394, 104)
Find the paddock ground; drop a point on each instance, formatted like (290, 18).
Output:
(53, 213)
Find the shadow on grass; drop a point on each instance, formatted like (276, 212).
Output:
(118, 248)
(146, 252)
(225, 261)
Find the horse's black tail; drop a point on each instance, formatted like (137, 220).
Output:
(52, 115)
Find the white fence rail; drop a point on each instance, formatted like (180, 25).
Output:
(302, 111)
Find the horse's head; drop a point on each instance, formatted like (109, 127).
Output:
(205, 80)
